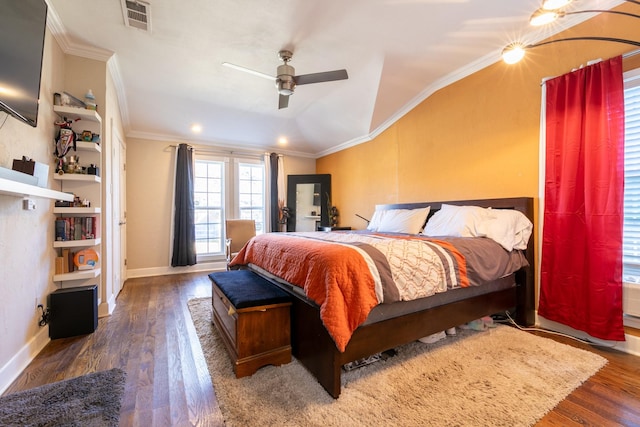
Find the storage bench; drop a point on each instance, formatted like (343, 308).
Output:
(253, 317)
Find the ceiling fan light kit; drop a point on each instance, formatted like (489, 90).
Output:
(286, 79)
(549, 12)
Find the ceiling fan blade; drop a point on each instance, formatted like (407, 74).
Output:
(248, 70)
(283, 101)
(326, 76)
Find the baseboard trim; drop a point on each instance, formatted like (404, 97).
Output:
(15, 366)
(167, 270)
(106, 309)
(631, 345)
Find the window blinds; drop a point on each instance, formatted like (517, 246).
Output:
(631, 228)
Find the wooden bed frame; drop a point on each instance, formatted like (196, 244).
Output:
(314, 348)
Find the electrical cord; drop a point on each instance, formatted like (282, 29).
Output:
(44, 319)
(513, 322)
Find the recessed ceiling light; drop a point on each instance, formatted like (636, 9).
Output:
(282, 140)
(196, 128)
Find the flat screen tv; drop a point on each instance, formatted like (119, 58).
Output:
(22, 29)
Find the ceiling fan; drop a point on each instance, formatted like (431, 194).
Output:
(286, 80)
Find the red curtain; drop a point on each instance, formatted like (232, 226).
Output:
(581, 266)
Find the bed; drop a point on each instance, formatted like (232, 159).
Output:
(379, 325)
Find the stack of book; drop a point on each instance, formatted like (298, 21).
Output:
(64, 263)
(76, 228)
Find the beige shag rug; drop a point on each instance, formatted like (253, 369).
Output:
(498, 377)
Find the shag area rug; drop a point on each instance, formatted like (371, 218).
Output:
(89, 400)
(498, 377)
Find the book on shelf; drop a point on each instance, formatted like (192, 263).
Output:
(76, 228)
(64, 263)
(60, 265)
(61, 231)
(66, 257)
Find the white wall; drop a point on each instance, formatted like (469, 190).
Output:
(26, 237)
(150, 166)
(27, 256)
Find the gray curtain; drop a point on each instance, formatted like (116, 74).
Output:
(273, 192)
(184, 232)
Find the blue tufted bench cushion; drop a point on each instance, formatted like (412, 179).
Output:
(244, 288)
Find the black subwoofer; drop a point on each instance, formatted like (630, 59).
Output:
(74, 311)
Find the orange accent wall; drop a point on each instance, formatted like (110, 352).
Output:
(476, 138)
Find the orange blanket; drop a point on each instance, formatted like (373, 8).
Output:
(325, 271)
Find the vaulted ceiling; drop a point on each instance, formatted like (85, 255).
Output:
(396, 53)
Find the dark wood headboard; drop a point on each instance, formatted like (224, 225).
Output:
(526, 278)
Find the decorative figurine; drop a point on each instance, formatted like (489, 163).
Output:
(64, 143)
(333, 216)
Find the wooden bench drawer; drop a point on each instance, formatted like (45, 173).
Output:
(226, 314)
(254, 335)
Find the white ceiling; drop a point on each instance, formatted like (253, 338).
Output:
(396, 52)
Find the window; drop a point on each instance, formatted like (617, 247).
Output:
(631, 228)
(251, 189)
(225, 188)
(631, 233)
(209, 203)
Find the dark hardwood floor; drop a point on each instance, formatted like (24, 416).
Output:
(150, 335)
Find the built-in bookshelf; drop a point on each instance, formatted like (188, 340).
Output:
(84, 210)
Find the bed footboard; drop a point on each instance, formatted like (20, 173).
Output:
(312, 345)
(314, 348)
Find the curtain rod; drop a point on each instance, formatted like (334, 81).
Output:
(630, 54)
(227, 151)
(624, 56)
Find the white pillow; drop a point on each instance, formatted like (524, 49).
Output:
(456, 221)
(375, 220)
(508, 227)
(403, 220)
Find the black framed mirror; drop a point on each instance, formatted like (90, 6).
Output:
(308, 198)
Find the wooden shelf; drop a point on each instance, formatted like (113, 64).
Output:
(88, 146)
(78, 210)
(19, 189)
(77, 113)
(76, 243)
(77, 177)
(77, 275)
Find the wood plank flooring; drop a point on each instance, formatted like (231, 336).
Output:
(150, 335)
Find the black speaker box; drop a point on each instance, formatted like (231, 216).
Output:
(74, 311)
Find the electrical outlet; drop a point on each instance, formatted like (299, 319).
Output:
(28, 204)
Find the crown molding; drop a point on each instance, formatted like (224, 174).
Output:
(222, 145)
(59, 31)
(121, 95)
(68, 46)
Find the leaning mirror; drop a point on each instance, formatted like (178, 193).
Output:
(308, 198)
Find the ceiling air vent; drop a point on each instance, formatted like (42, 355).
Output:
(137, 14)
